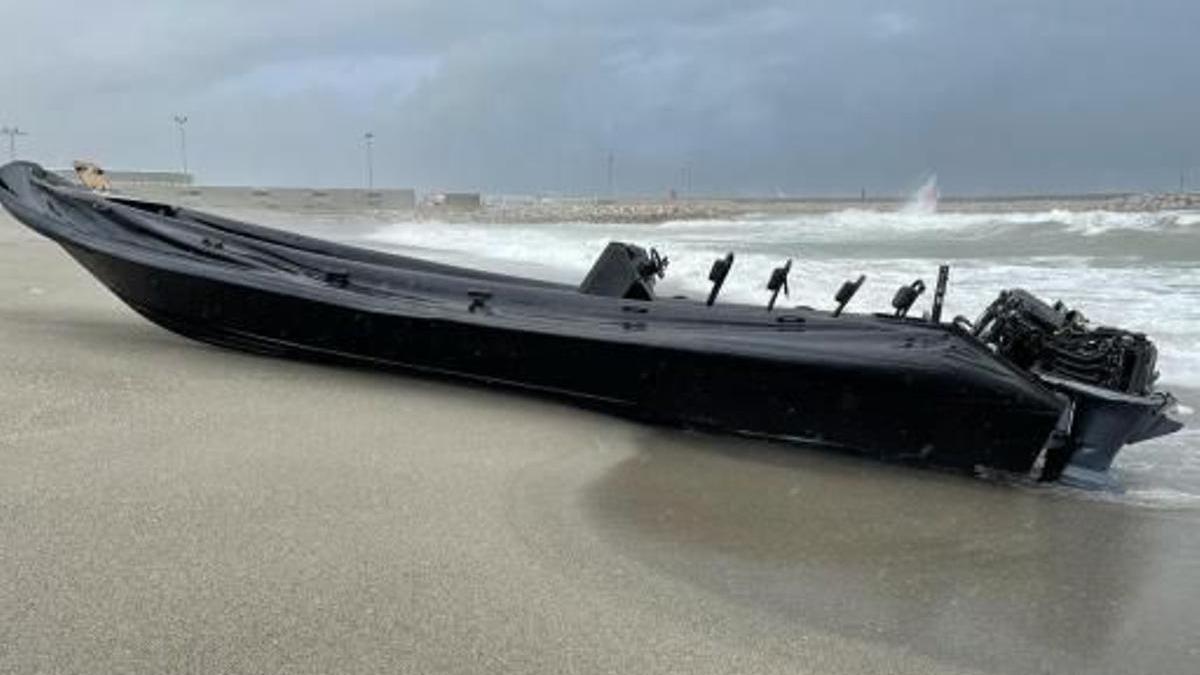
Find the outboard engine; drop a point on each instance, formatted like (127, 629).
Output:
(624, 271)
(1108, 375)
(1057, 341)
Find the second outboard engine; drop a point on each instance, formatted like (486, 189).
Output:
(1053, 340)
(624, 271)
(1107, 374)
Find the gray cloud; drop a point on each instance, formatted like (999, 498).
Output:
(754, 96)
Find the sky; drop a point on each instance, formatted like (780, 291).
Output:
(747, 97)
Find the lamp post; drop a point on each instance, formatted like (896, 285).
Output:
(369, 143)
(181, 122)
(610, 161)
(12, 133)
(685, 179)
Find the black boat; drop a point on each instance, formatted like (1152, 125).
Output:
(1028, 387)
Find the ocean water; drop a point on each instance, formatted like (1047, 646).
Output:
(1139, 271)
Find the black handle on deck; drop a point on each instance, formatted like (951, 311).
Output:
(720, 270)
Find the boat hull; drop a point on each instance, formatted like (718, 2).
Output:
(888, 388)
(880, 414)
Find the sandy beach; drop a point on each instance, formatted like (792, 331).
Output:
(167, 506)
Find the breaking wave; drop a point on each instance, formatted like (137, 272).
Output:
(874, 234)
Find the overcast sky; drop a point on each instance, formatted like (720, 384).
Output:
(756, 96)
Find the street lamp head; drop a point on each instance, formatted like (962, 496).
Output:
(12, 133)
(181, 120)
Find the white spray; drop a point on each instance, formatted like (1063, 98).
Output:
(925, 199)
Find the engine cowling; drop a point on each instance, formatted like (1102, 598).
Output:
(1057, 341)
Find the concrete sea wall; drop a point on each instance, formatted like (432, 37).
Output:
(284, 199)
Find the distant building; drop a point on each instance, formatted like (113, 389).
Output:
(178, 188)
(459, 201)
(134, 179)
(137, 178)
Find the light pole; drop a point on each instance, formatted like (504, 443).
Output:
(12, 133)
(685, 179)
(369, 142)
(181, 121)
(609, 162)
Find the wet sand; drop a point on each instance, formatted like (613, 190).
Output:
(167, 506)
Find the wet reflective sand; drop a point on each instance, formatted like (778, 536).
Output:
(167, 506)
(989, 576)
